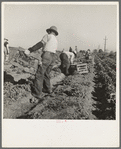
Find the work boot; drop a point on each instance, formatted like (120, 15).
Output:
(36, 98)
(47, 91)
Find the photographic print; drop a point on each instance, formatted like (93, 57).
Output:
(60, 61)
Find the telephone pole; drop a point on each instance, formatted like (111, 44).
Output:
(105, 44)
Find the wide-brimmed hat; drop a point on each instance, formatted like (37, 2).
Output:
(54, 29)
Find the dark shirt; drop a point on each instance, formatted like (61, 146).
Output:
(5, 43)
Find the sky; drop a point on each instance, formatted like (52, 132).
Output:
(84, 25)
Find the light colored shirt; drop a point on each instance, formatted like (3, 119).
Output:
(50, 43)
(70, 56)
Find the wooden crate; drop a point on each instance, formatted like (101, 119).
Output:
(82, 68)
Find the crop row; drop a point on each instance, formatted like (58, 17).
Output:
(106, 71)
(104, 87)
(109, 61)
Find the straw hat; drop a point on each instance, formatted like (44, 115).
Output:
(54, 29)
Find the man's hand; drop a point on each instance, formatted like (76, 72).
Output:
(27, 52)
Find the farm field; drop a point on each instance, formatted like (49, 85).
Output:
(89, 96)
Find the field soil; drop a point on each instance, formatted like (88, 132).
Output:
(71, 97)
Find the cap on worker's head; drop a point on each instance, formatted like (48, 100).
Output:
(5, 39)
(53, 29)
(70, 49)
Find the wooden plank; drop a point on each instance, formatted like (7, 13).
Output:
(81, 68)
(84, 64)
(83, 72)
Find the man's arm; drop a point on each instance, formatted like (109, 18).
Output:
(36, 47)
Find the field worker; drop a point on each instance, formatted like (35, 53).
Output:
(87, 54)
(6, 50)
(70, 49)
(88, 51)
(67, 59)
(42, 79)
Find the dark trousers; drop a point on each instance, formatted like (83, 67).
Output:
(42, 77)
(65, 63)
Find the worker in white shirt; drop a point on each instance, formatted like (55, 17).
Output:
(42, 79)
(67, 58)
(6, 49)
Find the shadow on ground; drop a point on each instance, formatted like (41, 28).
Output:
(9, 78)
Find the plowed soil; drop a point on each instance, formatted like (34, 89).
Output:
(71, 98)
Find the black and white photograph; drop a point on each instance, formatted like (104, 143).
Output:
(60, 64)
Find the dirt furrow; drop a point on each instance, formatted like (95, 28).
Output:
(72, 99)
